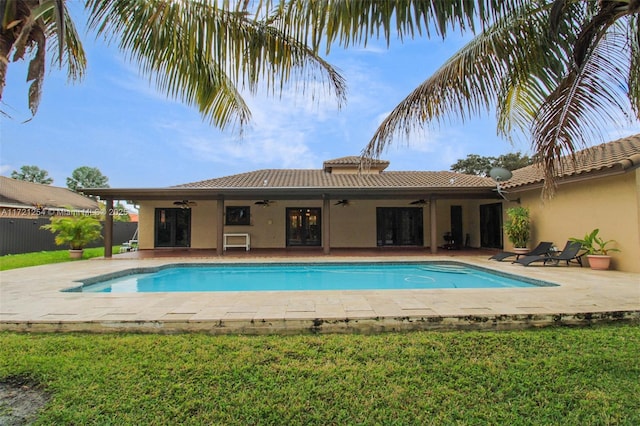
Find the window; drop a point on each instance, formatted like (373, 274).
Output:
(238, 215)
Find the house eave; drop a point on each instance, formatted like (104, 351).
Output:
(142, 194)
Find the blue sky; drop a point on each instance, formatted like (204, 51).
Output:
(116, 121)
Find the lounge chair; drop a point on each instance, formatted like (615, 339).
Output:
(542, 249)
(568, 254)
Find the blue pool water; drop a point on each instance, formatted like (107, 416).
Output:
(279, 277)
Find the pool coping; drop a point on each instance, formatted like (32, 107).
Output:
(583, 297)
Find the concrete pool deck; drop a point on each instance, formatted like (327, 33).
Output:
(31, 301)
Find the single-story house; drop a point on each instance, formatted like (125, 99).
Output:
(349, 204)
(21, 199)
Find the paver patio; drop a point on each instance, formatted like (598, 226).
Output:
(31, 300)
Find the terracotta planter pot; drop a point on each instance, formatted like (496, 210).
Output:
(75, 254)
(599, 262)
(521, 250)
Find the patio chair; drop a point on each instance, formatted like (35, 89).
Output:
(542, 249)
(568, 254)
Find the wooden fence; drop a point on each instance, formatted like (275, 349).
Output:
(25, 236)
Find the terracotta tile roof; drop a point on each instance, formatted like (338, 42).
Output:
(617, 155)
(15, 193)
(313, 178)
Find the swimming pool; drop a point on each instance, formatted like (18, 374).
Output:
(311, 276)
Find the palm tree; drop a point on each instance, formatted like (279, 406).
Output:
(556, 71)
(202, 52)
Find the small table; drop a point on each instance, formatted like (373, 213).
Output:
(246, 241)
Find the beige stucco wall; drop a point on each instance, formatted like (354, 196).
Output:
(611, 204)
(352, 226)
(203, 223)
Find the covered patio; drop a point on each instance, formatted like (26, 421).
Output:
(223, 197)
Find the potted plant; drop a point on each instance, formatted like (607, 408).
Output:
(518, 228)
(75, 230)
(596, 249)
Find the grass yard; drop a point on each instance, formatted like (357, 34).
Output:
(13, 261)
(585, 376)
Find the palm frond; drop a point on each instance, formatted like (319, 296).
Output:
(547, 45)
(347, 22)
(589, 98)
(73, 54)
(227, 49)
(634, 68)
(476, 76)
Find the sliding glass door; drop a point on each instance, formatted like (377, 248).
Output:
(399, 226)
(173, 228)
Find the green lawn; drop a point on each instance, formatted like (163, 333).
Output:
(572, 376)
(13, 261)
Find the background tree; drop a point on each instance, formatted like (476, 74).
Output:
(32, 174)
(474, 164)
(87, 177)
(477, 165)
(512, 161)
(198, 51)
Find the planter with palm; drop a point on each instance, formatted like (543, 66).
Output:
(76, 231)
(518, 228)
(596, 249)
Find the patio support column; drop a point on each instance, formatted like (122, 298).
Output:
(326, 224)
(108, 228)
(434, 228)
(220, 227)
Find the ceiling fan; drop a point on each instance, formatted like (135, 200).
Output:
(264, 203)
(185, 204)
(342, 202)
(420, 201)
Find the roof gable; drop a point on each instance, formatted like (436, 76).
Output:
(355, 164)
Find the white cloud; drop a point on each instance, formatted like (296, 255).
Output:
(5, 169)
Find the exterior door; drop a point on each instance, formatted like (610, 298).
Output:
(173, 227)
(303, 227)
(491, 225)
(399, 226)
